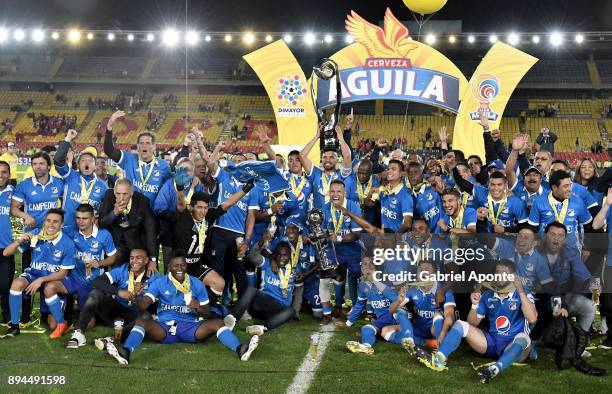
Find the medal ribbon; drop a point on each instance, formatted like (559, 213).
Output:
(495, 217)
(86, 192)
(559, 216)
(142, 178)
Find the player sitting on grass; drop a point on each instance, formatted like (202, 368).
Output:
(430, 320)
(182, 300)
(509, 311)
(392, 327)
(113, 297)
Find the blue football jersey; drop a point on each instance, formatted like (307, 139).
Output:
(318, 180)
(299, 191)
(6, 230)
(37, 199)
(542, 213)
(527, 198)
(173, 305)
(367, 292)
(235, 217)
(505, 316)
(147, 178)
(532, 267)
(428, 205)
(271, 283)
(345, 225)
(97, 246)
(73, 185)
(425, 303)
(394, 206)
(512, 213)
(120, 276)
(49, 257)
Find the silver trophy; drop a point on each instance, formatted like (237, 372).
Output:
(320, 239)
(326, 69)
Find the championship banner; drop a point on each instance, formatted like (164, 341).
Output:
(288, 90)
(491, 86)
(264, 174)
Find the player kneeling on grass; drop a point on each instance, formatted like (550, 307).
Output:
(430, 321)
(113, 297)
(509, 311)
(392, 327)
(52, 260)
(271, 304)
(182, 300)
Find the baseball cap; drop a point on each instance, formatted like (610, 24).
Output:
(295, 221)
(532, 168)
(90, 150)
(496, 164)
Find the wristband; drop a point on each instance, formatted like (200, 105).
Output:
(474, 306)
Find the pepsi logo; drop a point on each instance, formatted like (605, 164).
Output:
(502, 324)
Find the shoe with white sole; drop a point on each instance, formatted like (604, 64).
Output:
(77, 340)
(256, 330)
(358, 347)
(408, 344)
(119, 353)
(245, 350)
(101, 343)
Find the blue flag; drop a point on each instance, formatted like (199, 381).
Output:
(264, 174)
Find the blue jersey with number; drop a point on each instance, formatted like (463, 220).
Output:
(345, 226)
(6, 230)
(137, 172)
(120, 276)
(271, 283)
(394, 206)
(49, 257)
(428, 205)
(321, 193)
(379, 301)
(425, 304)
(37, 199)
(505, 316)
(72, 193)
(235, 217)
(173, 305)
(512, 213)
(532, 267)
(97, 246)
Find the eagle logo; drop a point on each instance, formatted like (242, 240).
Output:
(392, 41)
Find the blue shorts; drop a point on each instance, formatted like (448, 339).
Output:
(79, 287)
(496, 344)
(311, 294)
(350, 263)
(31, 275)
(423, 330)
(180, 332)
(385, 320)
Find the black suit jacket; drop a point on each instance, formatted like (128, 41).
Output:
(140, 229)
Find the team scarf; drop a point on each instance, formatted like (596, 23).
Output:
(297, 190)
(559, 216)
(264, 174)
(132, 280)
(337, 221)
(43, 236)
(362, 192)
(189, 193)
(201, 235)
(492, 214)
(86, 191)
(184, 287)
(145, 179)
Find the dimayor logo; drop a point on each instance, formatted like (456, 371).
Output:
(485, 88)
(291, 93)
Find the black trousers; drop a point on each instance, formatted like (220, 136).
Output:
(264, 308)
(222, 257)
(26, 307)
(106, 309)
(7, 272)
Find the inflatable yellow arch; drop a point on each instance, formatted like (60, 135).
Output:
(384, 63)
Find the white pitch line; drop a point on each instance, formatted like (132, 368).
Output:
(308, 368)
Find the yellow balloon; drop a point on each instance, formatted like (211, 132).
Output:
(425, 6)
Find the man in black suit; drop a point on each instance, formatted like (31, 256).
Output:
(127, 215)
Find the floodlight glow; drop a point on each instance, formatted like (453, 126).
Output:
(38, 35)
(90, 36)
(55, 35)
(535, 39)
(288, 38)
(556, 39)
(228, 38)
(328, 39)
(3, 35)
(430, 39)
(150, 37)
(110, 37)
(192, 37)
(130, 37)
(248, 38)
(170, 37)
(207, 38)
(349, 39)
(309, 38)
(19, 35)
(74, 36)
(492, 38)
(471, 39)
(513, 38)
(452, 39)
(579, 38)
(268, 38)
